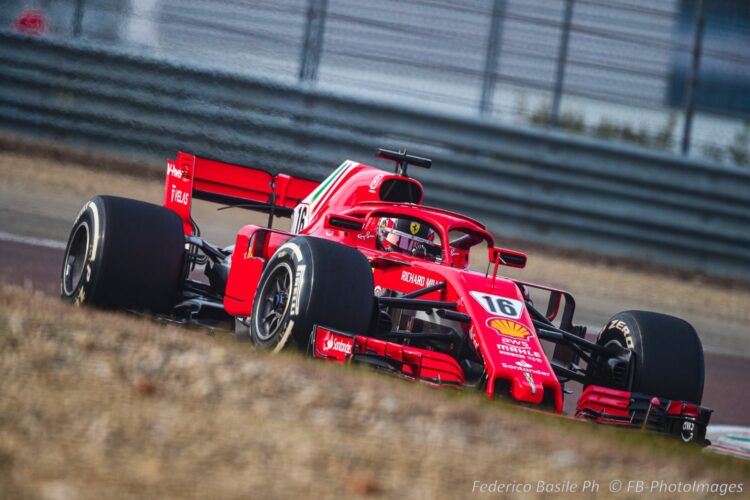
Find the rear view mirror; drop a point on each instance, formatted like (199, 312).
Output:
(509, 258)
(344, 222)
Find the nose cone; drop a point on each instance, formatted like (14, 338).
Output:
(525, 388)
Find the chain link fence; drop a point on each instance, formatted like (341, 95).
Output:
(667, 74)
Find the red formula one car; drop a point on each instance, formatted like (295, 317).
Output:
(370, 275)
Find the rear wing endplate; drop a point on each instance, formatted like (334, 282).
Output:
(191, 177)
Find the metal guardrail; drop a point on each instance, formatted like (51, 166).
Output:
(537, 185)
(638, 70)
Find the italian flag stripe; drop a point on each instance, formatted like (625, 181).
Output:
(324, 185)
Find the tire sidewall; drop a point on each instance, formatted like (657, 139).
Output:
(90, 217)
(320, 292)
(297, 257)
(623, 329)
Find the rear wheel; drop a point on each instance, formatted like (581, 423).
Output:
(124, 254)
(668, 355)
(311, 281)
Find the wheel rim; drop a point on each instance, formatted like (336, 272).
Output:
(274, 302)
(76, 256)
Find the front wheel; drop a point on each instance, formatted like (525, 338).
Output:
(311, 281)
(668, 355)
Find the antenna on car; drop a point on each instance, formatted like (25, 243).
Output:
(403, 160)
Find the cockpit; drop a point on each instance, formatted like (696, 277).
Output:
(416, 237)
(410, 236)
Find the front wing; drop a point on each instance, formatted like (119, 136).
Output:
(687, 421)
(600, 404)
(405, 361)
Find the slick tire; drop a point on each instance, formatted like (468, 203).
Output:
(311, 281)
(124, 254)
(668, 354)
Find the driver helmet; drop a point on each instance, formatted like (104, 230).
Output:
(406, 236)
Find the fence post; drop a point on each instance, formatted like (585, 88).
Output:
(78, 18)
(312, 45)
(562, 60)
(692, 82)
(490, 61)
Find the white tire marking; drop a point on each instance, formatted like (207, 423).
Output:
(296, 250)
(95, 234)
(284, 337)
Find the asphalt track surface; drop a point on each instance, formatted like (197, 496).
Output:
(36, 263)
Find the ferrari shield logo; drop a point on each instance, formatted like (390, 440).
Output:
(414, 227)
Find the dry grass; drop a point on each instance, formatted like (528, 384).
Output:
(96, 404)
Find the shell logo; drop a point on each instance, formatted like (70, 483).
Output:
(509, 328)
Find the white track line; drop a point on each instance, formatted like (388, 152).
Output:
(29, 240)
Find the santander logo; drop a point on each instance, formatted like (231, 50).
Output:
(337, 345)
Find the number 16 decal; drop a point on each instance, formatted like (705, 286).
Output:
(500, 306)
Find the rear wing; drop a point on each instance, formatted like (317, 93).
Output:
(191, 177)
